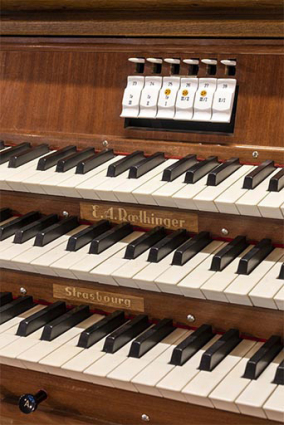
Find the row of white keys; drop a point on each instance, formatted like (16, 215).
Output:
(263, 293)
(163, 196)
(128, 269)
(25, 260)
(62, 266)
(274, 406)
(279, 299)
(12, 251)
(123, 375)
(31, 358)
(252, 399)
(272, 206)
(205, 200)
(88, 262)
(238, 291)
(170, 279)
(184, 198)
(124, 192)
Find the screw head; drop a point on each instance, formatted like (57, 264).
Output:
(105, 143)
(225, 232)
(65, 214)
(23, 291)
(145, 418)
(190, 318)
(255, 154)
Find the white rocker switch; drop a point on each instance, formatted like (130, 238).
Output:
(185, 98)
(132, 95)
(167, 97)
(223, 100)
(149, 97)
(204, 99)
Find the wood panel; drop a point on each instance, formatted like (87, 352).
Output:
(76, 92)
(112, 405)
(254, 228)
(222, 316)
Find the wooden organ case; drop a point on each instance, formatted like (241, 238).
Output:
(64, 70)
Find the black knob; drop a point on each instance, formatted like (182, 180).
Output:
(28, 403)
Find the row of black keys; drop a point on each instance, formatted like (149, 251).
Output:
(86, 160)
(102, 235)
(56, 320)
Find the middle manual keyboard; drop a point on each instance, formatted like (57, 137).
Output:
(177, 263)
(225, 371)
(188, 183)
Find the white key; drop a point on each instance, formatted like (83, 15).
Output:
(61, 267)
(252, 399)
(43, 263)
(102, 273)
(69, 187)
(263, 293)
(83, 267)
(169, 280)
(274, 406)
(270, 206)
(123, 192)
(53, 362)
(184, 198)
(163, 196)
(128, 268)
(6, 243)
(214, 288)
(226, 202)
(248, 203)
(172, 384)
(224, 395)
(122, 375)
(33, 183)
(205, 200)
(279, 299)
(6, 256)
(146, 381)
(144, 193)
(282, 209)
(238, 291)
(31, 357)
(50, 185)
(190, 285)
(200, 387)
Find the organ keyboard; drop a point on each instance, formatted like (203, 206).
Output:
(142, 208)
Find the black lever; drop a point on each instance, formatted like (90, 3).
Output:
(15, 150)
(256, 176)
(167, 245)
(144, 242)
(12, 226)
(85, 236)
(50, 160)
(276, 182)
(199, 170)
(94, 161)
(252, 258)
(190, 248)
(28, 403)
(15, 308)
(27, 156)
(30, 230)
(173, 171)
(73, 160)
(279, 375)
(146, 165)
(5, 213)
(5, 298)
(56, 230)
(109, 238)
(227, 254)
(124, 164)
(223, 171)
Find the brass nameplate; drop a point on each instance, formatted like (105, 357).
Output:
(146, 216)
(98, 298)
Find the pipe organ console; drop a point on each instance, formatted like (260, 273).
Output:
(142, 208)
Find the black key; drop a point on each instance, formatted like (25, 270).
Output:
(223, 171)
(279, 375)
(227, 254)
(10, 228)
(85, 236)
(41, 318)
(190, 345)
(190, 248)
(109, 238)
(276, 182)
(199, 170)
(252, 258)
(219, 350)
(73, 160)
(167, 245)
(281, 274)
(50, 160)
(256, 176)
(175, 170)
(263, 357)
(144, 242)
(15, 150)
(5, 213)
(2, 144)
(100, 329)
(65, 322)
(5, 298)
(15, 308)
(56, 230)
(125, 333)
(124, 164)
(146, 165)
(30, 230)
(94, 161)
(27, 156)
(150, 338)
